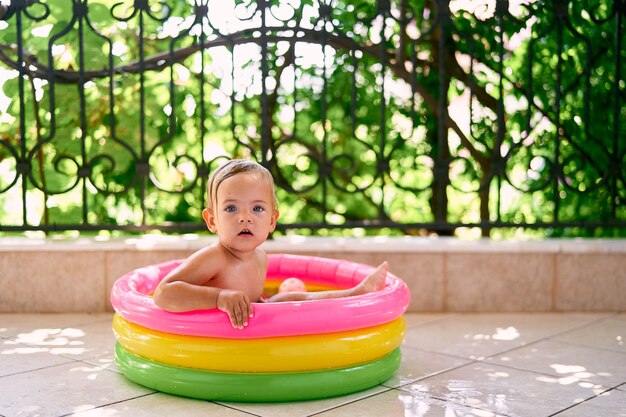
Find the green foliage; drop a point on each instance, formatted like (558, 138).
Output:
(534, 135)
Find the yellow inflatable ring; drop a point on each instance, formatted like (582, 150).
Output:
(278, 354)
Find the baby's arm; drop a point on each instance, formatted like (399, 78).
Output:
(186, 289)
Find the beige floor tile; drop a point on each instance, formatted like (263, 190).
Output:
(504, 390)
(568, 362)
(105, 361)
(13, 324)
(401, 404)
(303, 408)
(418, 364)
(64, 389)
(608, 334)
(542, 365)
(78, 341)
(16, 358)
(159, 404)
(477, 336)
(608, 404)
(415, 319)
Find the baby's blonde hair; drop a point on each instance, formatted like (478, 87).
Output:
(232, 168)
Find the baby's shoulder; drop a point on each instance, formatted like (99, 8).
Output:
(207, 255)
(212, 250)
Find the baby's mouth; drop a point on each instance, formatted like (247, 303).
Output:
(245, 232)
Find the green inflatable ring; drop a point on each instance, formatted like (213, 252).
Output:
(255, 387)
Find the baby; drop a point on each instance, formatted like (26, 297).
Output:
(230, 274)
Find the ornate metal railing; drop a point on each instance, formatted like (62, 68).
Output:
(411, 115)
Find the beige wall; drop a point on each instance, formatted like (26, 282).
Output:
(444, 274)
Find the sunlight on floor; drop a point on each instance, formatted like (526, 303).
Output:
(510, 365)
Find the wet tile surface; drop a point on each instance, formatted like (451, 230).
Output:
(417, 364)
(570, 363)
(608, 404)
(604, 334)
(64, 389)
(159, 404)
(476, 336)
(400, 403)
(510, 365)
(503, 390)
(304, 408)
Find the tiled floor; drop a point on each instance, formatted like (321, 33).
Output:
(529, 365)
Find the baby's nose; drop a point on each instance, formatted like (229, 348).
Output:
(245, 217)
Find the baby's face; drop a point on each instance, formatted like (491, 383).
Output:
(244, 212)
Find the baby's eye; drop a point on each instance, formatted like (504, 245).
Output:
(258, 209)
(230, 209)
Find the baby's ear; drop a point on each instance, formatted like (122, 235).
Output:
(274, 219)
(209, 219)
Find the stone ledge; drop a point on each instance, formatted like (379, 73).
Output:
(330, 244)
(444, 274)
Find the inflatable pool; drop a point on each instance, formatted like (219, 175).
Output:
(289, 351)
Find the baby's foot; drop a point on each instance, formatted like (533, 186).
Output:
(374, 281)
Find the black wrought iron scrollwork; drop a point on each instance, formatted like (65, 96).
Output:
(150, 8)
(387, 113)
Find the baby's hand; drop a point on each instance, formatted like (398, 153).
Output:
(237, 305)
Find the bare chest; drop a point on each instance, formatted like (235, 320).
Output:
(247, 278)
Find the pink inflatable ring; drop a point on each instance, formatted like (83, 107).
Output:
(131, 298)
